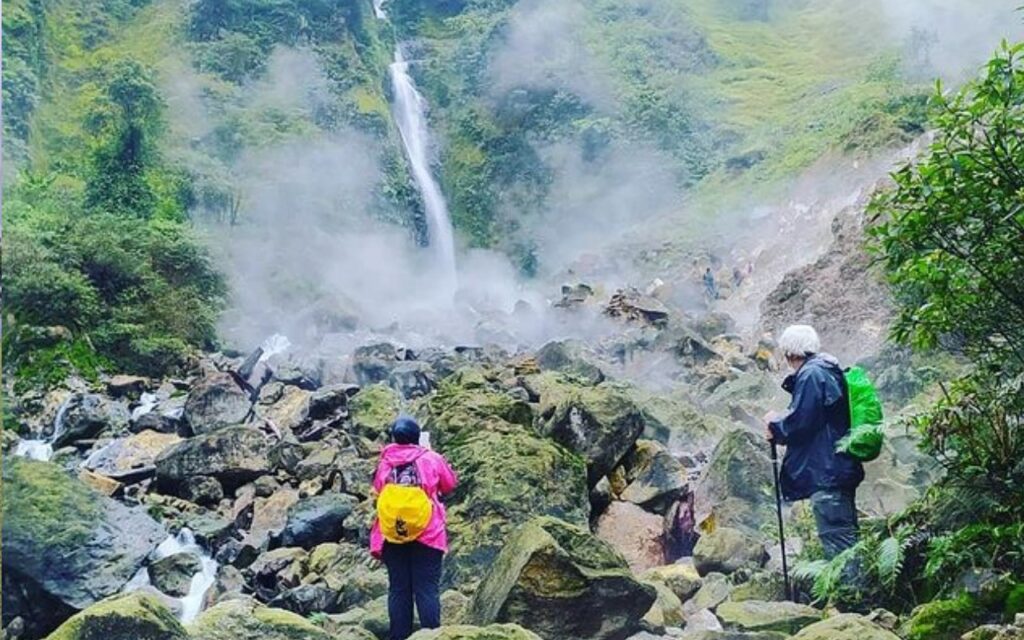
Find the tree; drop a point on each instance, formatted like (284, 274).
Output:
(951, 234)
(117, 183)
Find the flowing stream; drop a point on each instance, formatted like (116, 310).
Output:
(184, 542)
(41, 447)
(409, 110)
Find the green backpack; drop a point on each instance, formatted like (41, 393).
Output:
(864, 442)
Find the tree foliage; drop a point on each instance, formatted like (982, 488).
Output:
(952, 231)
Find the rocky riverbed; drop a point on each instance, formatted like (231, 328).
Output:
(234, 501)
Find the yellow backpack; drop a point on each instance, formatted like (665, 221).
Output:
(403, 507)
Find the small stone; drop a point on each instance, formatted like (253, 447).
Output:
(105, 485)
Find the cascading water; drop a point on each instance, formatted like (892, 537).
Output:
(409, 111)
(41, 448)
(184, 542)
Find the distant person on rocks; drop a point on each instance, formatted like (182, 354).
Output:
(818, 416)
(709, 284)
(409, 533)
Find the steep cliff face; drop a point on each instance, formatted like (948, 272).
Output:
(840, 294)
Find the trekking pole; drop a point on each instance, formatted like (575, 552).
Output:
(778, 511)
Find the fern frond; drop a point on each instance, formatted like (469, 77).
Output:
(890, 558)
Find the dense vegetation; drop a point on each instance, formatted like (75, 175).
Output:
(950, 234)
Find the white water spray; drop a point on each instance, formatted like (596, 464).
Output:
(41, 448)
(410, 115)
(378, 10)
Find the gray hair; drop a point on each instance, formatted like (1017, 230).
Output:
(799, 341)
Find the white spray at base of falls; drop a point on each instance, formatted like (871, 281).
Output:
(378, 10)
(184, 542)
(410, 115)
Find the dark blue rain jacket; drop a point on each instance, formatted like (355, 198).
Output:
(819, 415)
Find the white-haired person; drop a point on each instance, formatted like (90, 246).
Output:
(818, 416)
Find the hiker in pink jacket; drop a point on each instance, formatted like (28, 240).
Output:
(414, 568)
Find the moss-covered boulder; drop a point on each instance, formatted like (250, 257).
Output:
(232, 455)
(726, 550)
(735, 488)
(845, 626)
(601, 422)
(757, 615)
(373, 409)
(65, 546)
(244, 619)
(559, 581)
(173, 575)
(134, 616)
(942, 619)
(466, 632)
(507, 476)
(682, 578)
(654, 478)
(466, 402)
(350, 572)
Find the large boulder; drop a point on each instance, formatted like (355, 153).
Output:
(601, 423)
(131, 457)
(233, 455)
(349, 571)
(86, 416)
(655, 480)
(757, 615)
(466, 632)
(317, 519)
(215, 402)
(373, 409)
(845, 626)
(735, 489)
(133, 616)
(290, 410)
(507, 477)
(726, 550)
(65, 546)
(559, 581)
(568, 356)
(245, 619)
(635, 533)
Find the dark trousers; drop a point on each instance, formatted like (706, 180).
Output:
(414, 574)
(835, 515)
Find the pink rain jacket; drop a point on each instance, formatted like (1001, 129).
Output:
(436, 478)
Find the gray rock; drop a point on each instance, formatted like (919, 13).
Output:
(65, 546)
(202, 490)
(412, 379)
(757, 615)
(86, 416)
(306, 599)
(736, 485)
(318, 519)
(726, 550)
(173, 575)
(215, 402)
(233, 455)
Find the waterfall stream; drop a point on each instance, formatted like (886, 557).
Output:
(409, 110)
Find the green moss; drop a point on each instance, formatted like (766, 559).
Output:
(44, 504)
(375, 408)
(134, 616)
(1014, 602)
(943, 619)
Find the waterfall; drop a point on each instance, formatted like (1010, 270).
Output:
(409, 110)
(41, 447)
(410, 116)
(192, 602)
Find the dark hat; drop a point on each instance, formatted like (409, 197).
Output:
(405, 430)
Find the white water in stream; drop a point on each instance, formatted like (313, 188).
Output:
(410, 115)
(184, 542)
(41, 448)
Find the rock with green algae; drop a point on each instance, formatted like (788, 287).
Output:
(682, 578)
(705, 634)
(714, 590)
(845, 626)
(735, 488)
(65, 544)
(727, 550)
(758, 615)
(373, 409)
(132, 616)
(467, 632)
(559, 581)
(942, 619)
(349, 571)
(655, 479)
(467, 402)
(245, 619)
(667, 610)
(601, 423)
